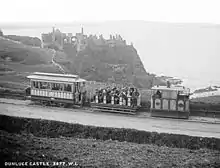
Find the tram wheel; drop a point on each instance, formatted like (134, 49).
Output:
(52, 103)
(61, 104)
(44, 103)
(66, 105)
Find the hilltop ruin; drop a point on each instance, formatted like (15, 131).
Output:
(79, 40)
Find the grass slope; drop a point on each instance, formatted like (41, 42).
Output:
(18, 60)
(98, 153)
(33, 41)
(207, 100)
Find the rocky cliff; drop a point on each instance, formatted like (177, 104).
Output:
(103, 63)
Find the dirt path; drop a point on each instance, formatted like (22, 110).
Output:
(55, 63)
(110, 120)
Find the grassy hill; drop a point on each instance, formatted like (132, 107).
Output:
(119, 64)
(18, 60)
(33, 41)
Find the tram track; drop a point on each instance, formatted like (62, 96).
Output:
(22, 96)
(140, 115)
(21, 108)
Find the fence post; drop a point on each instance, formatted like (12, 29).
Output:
(139, 100)
(120, 100)
(112, 100)
(96, 98)
(129, 98)
(104, 99)
(124, 102)
(104, 96)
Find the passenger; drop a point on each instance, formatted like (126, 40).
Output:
(60, 87)
(131, 91)
(76, 97)
(83, 95)
(100, 95)
(69, 88)
(108, 96)
(158, 93)
(116, 98)
(124, 97)
(134, 98)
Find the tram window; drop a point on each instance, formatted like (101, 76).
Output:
(167, 94)
(44, 85)
(67, 87)
(56, 86)
(33, 85)
(60, 87)
(158, 93)
(36, 84)
(41, 85)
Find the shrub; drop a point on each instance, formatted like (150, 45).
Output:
(47, 128)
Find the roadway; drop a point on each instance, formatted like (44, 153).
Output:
(22, 108)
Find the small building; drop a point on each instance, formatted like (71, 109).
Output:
(170, 101)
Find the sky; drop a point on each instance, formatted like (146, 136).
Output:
(205, 11)
(187, 51)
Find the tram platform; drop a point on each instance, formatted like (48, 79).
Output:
(115, 108)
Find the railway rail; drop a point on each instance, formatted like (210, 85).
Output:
(194, 112)
(19, 96)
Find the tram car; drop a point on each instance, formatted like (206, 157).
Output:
(170, 101)
(125, 100)
(56, 89)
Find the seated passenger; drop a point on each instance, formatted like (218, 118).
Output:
(158, 94)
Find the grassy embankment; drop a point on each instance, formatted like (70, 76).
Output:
(25, 139)
(18, 60)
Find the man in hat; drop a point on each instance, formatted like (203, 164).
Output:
(83, 94)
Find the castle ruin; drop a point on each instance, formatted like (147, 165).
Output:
(80, 40)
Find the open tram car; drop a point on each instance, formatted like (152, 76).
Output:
(122, 103)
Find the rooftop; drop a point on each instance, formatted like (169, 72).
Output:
(69, 78)
(55, 74)
(172, 88)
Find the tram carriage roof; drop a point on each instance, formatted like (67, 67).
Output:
(172, 88)
(55, 74)
(56, 77)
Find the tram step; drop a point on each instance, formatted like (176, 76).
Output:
(115, 111)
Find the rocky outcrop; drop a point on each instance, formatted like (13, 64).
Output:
(104, 63)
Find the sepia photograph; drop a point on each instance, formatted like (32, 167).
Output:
(110, 83)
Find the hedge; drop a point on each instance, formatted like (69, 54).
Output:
(48, 128)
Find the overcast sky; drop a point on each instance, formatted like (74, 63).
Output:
(207, 11)
(187, 51)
